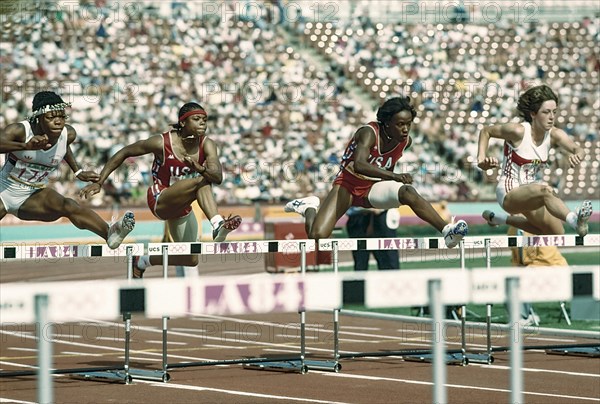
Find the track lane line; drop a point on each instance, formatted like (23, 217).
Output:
(239, 393)
(454, 386)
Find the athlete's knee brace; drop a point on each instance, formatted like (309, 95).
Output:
(384, 194)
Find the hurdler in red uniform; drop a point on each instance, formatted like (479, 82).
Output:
(186, 165)
(367, 177)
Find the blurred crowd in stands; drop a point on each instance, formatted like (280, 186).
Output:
(284, 93)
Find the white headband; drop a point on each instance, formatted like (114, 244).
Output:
(48, 108)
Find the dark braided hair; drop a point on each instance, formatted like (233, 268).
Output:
(187, 107)
(44, 98)
(392, 106)
(532, 99)
(46, 101)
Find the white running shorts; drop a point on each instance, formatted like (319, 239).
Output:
(384, 194)
(13, 194)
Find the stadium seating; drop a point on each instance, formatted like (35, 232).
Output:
(282, 119)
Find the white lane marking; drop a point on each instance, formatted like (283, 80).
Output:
(155, 341)
(244, 331)
(137, 358)
(282, 350)
(535, 370)
(10, 400)
(80, 353)
(187, 329)
(551, 339)
(23, 349)
(239, 393)
(19, 365)
(455, 386)
(223, 346)
(350, 327)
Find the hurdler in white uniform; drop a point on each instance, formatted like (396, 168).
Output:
(27, 171)
(534, 206)
(522, 165)
(34, 149)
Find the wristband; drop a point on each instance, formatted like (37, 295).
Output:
(78, 172)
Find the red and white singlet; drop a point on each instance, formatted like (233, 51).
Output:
(522, 165)
(359, 185)
(170, 169)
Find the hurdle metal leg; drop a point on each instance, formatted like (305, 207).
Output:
(564, 312)
(459, 357)
(113, 373)
(289, 365)
(463, 311)
(44, 382)
(165, 318)
(475, 357)
(334, 365)
(303, 365)
(124, 375)
(437, 338)
(157, 375)
(488, 307)
(516, 353)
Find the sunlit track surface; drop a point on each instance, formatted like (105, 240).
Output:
(547, 378)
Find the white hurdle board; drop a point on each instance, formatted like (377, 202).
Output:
(434, 243)
(178, 297)
(268, 293)
(23, 251)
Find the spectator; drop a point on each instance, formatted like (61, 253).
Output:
(373, 223)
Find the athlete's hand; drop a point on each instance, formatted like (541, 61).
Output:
(38, 142)
(88, 176)
(488, 162)
(574, 160)
(403, 178)
(194, 164)
(89, 190)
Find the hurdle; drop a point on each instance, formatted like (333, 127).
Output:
(44, 303)
(462, 356)
(160, 298)
(293, 363)
(25, 252)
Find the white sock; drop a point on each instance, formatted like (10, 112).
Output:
(214, 222)
(182, 271)
(572, 220)
(190, 272)
(499, 218)
(144, 262)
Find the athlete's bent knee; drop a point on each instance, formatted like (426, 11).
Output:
(69, 207)
(547, 190)
(407, 194)
(192, 261)
(318, 234)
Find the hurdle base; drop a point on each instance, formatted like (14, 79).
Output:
(287, 366)
(111, 376)
(590, 352)
(450, 359)
(479, 358)
(152, 375)
(327, 366)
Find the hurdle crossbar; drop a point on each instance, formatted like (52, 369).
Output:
(472, 242)
(381, 289)
(298, 363)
